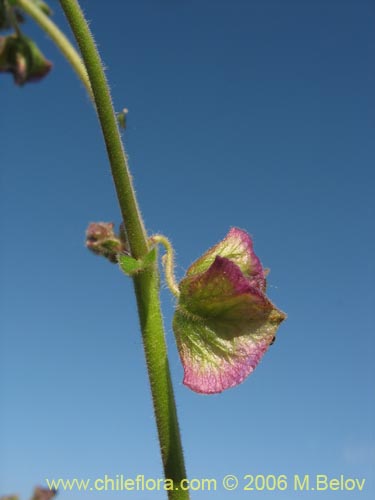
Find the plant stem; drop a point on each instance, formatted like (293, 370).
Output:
(60, 40)
(146, 283)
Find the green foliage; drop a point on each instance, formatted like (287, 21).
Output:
(131, 266)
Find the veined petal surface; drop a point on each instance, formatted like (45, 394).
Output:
(223, 325)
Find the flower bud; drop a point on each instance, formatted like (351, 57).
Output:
(20, 56)
(43, 493)
(101, 240)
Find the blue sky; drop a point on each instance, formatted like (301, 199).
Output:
(246, 113)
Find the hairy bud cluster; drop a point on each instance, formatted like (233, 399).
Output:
(102, 240)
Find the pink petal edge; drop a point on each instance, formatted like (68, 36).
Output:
(213, 380)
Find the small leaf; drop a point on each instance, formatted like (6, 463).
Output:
(131, 266)
(150, 258)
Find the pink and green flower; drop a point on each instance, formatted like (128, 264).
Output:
(224, 322)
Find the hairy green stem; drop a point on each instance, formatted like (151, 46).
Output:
(146, 283)
(60, 40)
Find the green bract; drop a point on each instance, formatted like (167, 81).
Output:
(131, 266)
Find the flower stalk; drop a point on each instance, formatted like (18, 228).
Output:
(168, 262)
(12, 18)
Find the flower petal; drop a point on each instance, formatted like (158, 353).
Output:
(223, 326)
(237, 246)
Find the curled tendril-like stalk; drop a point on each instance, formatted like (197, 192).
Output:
(167, 261)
